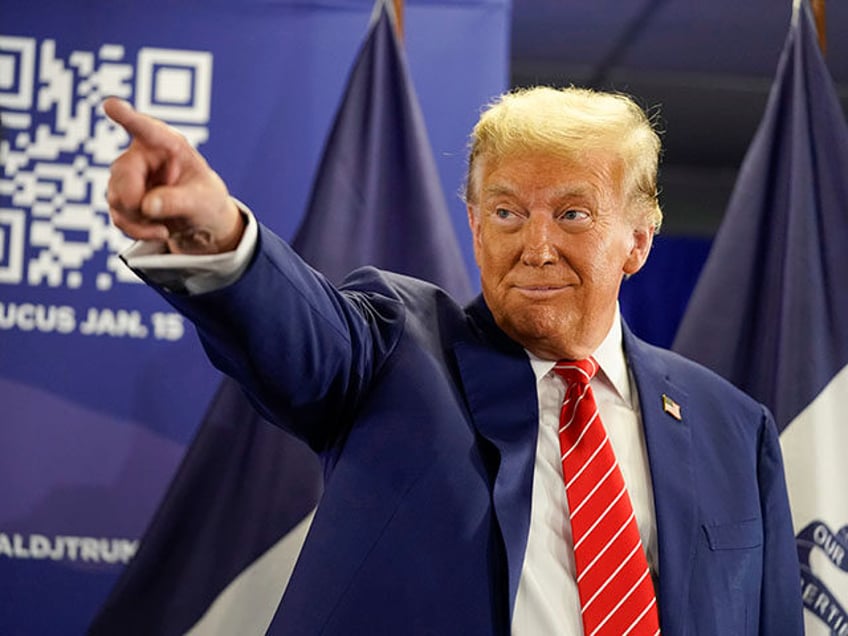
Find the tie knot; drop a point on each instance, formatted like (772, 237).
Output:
(577, 371)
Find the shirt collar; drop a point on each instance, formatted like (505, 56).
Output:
(609, 355)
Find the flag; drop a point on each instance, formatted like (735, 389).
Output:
(218, 553)
(770, 310)
(377, 198)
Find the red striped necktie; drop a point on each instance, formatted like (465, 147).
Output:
(616, 592)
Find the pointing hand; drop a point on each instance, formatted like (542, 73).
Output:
(162, 189)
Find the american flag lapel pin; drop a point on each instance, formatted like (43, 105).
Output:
(671, 407)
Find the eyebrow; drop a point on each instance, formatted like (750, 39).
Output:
(498, 190)
(562, 193)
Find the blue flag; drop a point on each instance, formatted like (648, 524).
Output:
(770, 310)
(219, 551)
(377, 198)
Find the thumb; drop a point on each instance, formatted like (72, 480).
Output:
(200, 216)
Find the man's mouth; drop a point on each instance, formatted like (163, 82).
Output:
(540, 291)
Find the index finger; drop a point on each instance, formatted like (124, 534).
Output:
(141, 127)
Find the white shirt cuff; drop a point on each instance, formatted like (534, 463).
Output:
(195, 274)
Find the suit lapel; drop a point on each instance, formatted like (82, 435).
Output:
(500, 389)
(669, 443)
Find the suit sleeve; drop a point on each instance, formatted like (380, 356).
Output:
(781, 611)
(304, 351)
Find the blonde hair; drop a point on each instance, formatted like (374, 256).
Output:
(568, 122)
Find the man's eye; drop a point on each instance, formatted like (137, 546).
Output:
(503, 213)
(574, 215)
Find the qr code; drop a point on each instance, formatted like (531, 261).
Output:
(57, 144)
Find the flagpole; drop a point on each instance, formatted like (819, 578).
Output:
(818, 12)
(398, 6)
(821, 23)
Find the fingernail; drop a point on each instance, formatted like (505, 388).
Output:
(154, 206)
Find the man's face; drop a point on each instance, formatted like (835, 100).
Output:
(553, 239)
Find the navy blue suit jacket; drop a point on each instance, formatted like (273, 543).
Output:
(425, 415)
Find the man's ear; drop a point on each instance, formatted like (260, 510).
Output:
(472, 218)
(643, 238)
(474, 224)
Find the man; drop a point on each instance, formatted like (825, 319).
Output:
(451, 502)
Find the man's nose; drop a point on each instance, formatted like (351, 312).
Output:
(539, 247)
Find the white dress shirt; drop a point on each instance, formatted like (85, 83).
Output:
(547, 601)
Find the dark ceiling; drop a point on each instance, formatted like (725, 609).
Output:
(707, 64)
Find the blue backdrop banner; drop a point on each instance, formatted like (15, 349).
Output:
(102, 385)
